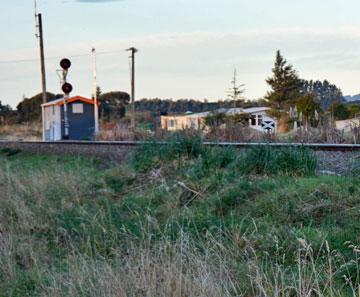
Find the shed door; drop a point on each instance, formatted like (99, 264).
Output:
(56, 124)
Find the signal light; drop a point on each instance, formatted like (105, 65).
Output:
(65, 64)
(67, 88)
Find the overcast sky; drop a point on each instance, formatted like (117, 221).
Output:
(188, 48)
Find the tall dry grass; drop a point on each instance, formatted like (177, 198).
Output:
(40, 257)
(121, 132)
(185, 268)
(30, 131)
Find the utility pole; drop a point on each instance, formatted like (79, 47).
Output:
(133, 50)
(42, 57)
(96, 109)
(40, 36)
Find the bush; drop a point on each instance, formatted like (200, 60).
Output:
(8, 152)
(181, 145)
(232, 197)
(266, 160)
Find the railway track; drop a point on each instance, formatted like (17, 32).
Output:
(335, 158)
(119, 144)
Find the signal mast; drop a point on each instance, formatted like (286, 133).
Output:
(66, 87)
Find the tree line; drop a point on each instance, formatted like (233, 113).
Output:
(293, 98)
(169, 106)
(112, 107)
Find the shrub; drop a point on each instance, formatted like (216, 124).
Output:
(267, 160)
(181, 145)
(231, 197)
(8, 152)
(117, 179)
(210, 161)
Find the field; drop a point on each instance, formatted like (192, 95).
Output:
(21, 132)
(178, 220)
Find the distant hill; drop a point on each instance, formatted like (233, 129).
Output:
(352, 98)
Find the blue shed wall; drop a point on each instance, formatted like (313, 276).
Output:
(82, 125)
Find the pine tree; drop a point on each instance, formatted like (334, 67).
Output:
(236, 91)
(98, 93)
(285, 85)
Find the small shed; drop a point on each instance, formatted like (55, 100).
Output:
(81, 118)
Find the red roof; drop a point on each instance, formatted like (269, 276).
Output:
(69, 100)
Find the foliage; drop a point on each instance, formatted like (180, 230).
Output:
(6, 114)
(152, 154)
(240, 118)
(354, 110)
(236, 90)
(168, 106)
(194, 225)
(98, 93)
(4, 108)
(215, 119)
(285, 84)
(113, 105)
(324, 92)
(9, 151)
(25, 131)
(29, 109)
(308, 107)
(340, 111)
(267, 160)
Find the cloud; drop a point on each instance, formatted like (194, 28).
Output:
(193, 65)
(97, 1)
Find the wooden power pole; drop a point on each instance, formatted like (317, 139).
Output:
(96, 108)
(39, 34)
(133, 50)
(42, 57)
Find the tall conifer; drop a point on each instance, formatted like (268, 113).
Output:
(285, 85)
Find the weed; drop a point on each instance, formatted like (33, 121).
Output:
(8, 152)
(181, 219)
(266, 160)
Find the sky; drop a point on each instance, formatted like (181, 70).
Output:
(187, 48)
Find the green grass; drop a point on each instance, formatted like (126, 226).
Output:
(272, 161)
(177, 220)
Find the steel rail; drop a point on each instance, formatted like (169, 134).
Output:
(313, 146)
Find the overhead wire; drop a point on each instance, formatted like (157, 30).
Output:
(58, 57)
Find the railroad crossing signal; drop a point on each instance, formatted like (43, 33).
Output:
(65, 64)
(67, 88)
(268, 125)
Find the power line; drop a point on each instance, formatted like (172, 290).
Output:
(59, 57)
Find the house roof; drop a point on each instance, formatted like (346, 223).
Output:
(228, 111)
(256, 109)
(60, 101)
(231, 111)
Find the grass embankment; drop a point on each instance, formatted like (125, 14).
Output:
(177, 220)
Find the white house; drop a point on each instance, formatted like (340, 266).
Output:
(258, 119)
(348, 125)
